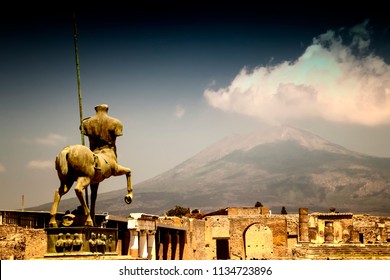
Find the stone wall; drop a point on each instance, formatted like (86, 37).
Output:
(207, 237)
(292, 223)
(21, 244)
(245, 225)
(275, 236)
(248, 211)
(341, 252)
(240, 224)
(195, 244)
(373, 229)
(216, 227)
(340, 228)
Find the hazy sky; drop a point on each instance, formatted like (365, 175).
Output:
(182, 78)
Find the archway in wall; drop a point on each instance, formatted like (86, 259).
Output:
(258, 240)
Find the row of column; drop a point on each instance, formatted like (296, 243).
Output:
(142, 244)
(171, 244)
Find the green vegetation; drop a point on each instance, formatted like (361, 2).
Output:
(178, 211)
(258, 204)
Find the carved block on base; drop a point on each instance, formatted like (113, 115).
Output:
(74, 241)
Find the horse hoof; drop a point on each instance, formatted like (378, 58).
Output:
(128, 199)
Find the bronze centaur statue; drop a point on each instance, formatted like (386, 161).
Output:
(90, 166)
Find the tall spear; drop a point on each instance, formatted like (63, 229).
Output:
(76, 50)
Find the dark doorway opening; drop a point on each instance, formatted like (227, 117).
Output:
(361, 237)
(223, 249)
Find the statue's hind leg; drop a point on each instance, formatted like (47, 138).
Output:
(63, 189)
(82, 183)
(94, 190)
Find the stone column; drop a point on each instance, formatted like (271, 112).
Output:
(151, 245)
(304, 225)
(143, 246)
(174, 243)
(159, 250)
(182, 240)
(166, 245)
(133, 243)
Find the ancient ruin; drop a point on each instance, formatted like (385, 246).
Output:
(237, 233)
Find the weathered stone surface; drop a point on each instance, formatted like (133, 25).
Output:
(21, 244)
(342, 252)
(81, 241)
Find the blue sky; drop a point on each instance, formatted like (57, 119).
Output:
(181, 78)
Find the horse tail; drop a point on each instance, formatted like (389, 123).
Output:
(62, 161)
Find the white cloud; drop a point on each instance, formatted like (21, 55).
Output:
(2, 168)
(330, 80)
(52, 139)
(41, 164)
(179, 111)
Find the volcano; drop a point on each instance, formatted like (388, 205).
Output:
(277, 166)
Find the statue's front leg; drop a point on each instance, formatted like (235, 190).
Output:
(121, 170)
(129, 196)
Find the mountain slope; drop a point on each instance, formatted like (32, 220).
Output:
(280, 166)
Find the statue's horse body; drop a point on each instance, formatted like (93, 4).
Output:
(79, 164)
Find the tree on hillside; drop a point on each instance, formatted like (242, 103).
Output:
(178, 211)
(258, 204)
(284, 211)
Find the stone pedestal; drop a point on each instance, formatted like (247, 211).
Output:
(74, 241)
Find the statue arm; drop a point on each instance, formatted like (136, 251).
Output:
(118, 130)
(86, 124)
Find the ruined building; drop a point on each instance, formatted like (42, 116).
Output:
(255, 233)
(237, 233)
